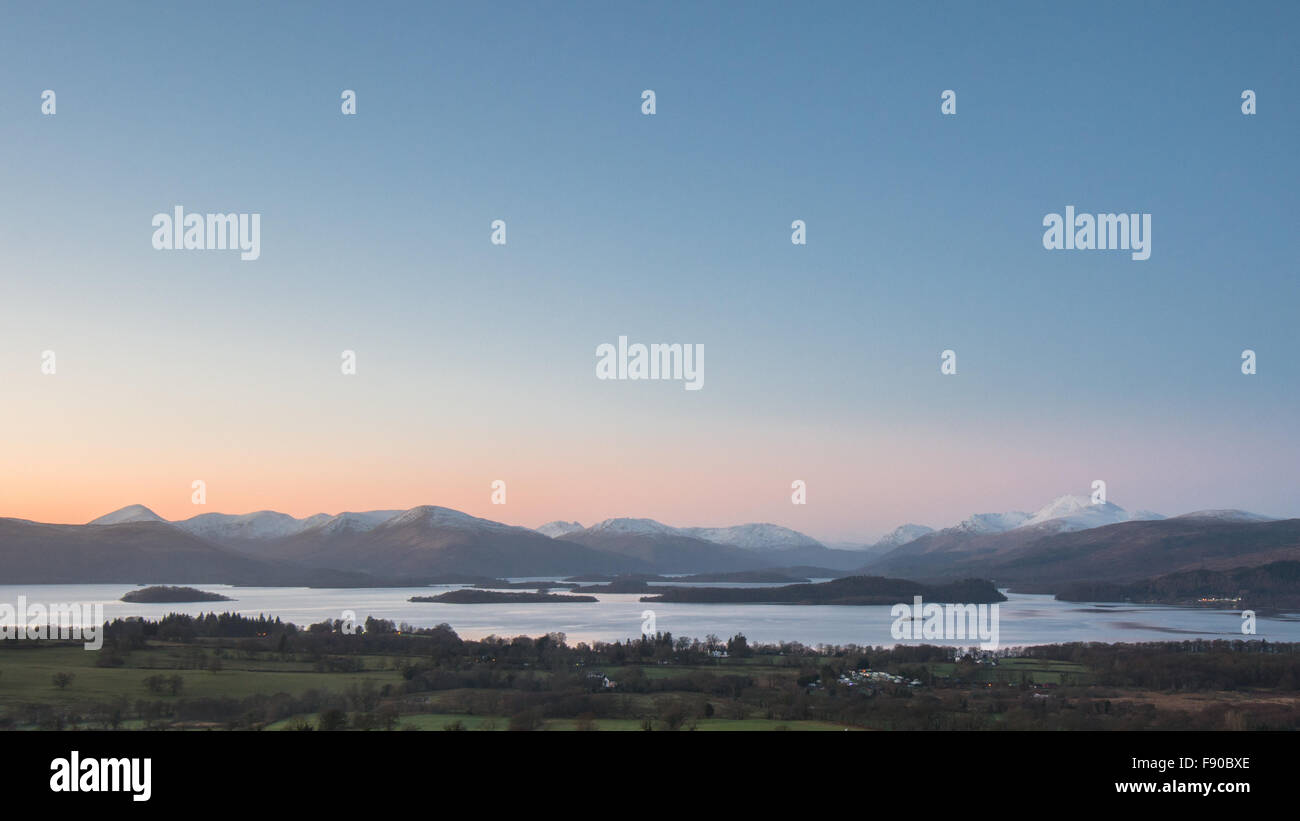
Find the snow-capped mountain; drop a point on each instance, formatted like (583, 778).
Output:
(1071, 535)
(752, 536)
(1062, 514)
(1068, 513)
(269, 525)
(244, 529)
(433, 517)
(130, 513)
(634, 527)
(223, 527)
(430, 541)
(992, 522)
(903, 534)
(559, 528)
(348, 522)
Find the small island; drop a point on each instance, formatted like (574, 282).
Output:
(498, 597)
(164, 594)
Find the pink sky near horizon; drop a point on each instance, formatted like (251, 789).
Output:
(116, 427)
(858, 488)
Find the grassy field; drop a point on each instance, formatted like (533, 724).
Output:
(236, 685)
(27, 675)
(1015, 670)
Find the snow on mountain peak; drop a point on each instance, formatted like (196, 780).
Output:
(269, 525)
(264, 524)
(435, 516)
(1080, 513)
(559, 528)
(636, 527)
(350, 522)
(1063, 513)
(1059, 507)
(130, 513)
(993, 522)
(754, 536)
(903, 534)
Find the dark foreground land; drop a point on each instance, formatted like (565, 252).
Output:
(230, 672)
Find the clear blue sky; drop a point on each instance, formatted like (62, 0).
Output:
(924, 233)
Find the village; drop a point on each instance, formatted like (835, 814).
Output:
(855, 677)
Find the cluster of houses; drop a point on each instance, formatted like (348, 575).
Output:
(854, 678)
(979, 656)
(876, 677)
(604, 681)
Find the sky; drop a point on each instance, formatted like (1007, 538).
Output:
(476, 362)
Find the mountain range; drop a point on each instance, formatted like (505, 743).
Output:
(1069, 538)
(1101, 544)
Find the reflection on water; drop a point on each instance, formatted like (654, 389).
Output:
(1024, 619)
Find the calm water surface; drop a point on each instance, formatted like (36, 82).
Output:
(1024, 619)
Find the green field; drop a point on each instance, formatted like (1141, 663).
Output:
(27, 673)
(436, 682)
(1016, 670)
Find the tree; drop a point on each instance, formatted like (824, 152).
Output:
(674, 717)
(333, 719)
(738, 646)
(62, 680)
